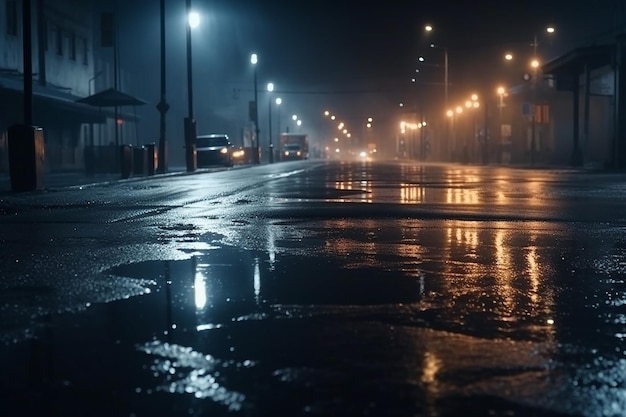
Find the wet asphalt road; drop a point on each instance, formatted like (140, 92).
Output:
(318, 289)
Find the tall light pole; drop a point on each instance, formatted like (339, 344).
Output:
(535, 68)
(270, 88)
(162, 107)
(428, 29)
(190, 123)
(501, 92)
(279, 101)
(254, 59)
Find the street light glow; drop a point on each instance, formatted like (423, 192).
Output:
(421, 59)
(254, 59)
(194, 19)
(534, 63)
(332, 117)
(326, 113)
(508, 56)
(294, 117)
(299, 122)
(459, 109)
(270, 87)
(428, 28)
(449, 113)
(550, 29)
(501, 90)
(279, 101)
(369, 119)
(474, 97)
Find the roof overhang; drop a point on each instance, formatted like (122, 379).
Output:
(575, 61)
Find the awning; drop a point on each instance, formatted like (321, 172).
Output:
(111, 98)
(574, 61)
(53, 102)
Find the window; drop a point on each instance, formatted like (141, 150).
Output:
(85, 51)
(58, 40)
(11, 16)
(72, 46)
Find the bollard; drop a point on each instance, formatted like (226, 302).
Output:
(126, 160)
(153, 158)
(140, 160)
(26, 156)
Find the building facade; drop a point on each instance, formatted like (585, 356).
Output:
(66, 69)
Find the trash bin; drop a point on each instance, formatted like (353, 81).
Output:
(153, 158)
(126, 160)
(26, 155)
(140, 160)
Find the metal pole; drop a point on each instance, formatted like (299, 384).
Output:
(445, 58)
(501, 135)
(256, 157)
(270, 131)
(189, 69)
(28, 63)
(190, 123)
(162, 107)
(532, 105)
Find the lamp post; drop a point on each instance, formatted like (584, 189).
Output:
(270, 88)
(501, 92)
(279, 101)
(428, 29)
(254, 59)
(190, 123)
(162, 107)
(535, 68)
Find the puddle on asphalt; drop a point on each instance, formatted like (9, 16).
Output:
(261, 333)
(189, 325)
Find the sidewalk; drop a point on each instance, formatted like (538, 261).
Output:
(56, 180)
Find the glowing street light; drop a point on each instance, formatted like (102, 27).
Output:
(189, 122)
(428, 28)
(508, 56)
(194, 19)
(254, 59)
(270, 88)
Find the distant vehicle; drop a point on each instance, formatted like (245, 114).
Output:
(214, 150)
(293, 146)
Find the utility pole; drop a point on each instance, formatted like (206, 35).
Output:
(162, 107)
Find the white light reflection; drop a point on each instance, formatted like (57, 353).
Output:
(257, 281)
(199, 286)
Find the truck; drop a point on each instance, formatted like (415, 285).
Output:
(293, 146)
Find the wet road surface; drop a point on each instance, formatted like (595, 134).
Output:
(322, 289)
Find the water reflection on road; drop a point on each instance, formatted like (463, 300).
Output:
(395, 311)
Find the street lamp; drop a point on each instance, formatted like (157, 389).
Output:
(162, 107)
(501, 93)
(428, 29)
(254, 59)
(279, 101)
(189, 122)
(270, 88)
(550, 30)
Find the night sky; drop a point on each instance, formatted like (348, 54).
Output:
(356, 57)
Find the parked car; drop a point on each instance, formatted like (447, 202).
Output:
(215, 149)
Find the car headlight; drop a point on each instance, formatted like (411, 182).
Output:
(286, 153)
(224, 150)
(238, 153)
(298, 153)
